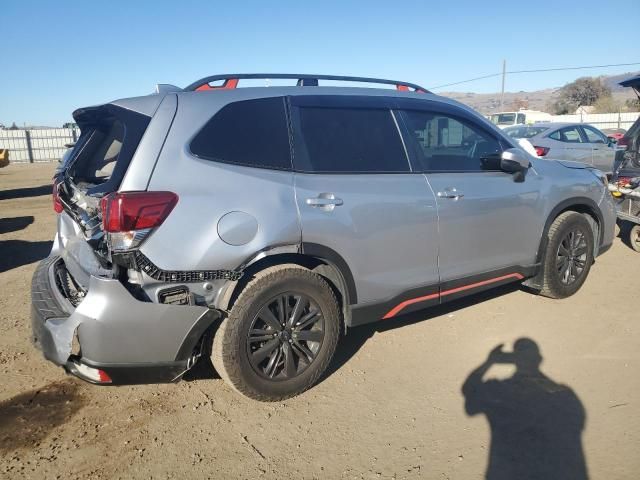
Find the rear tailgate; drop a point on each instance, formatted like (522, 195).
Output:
(110, 137)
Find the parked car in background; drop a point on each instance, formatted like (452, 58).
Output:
(568, 141)
(255, 225)
(521, 117)
(614, 133)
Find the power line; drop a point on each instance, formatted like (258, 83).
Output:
(535, 71)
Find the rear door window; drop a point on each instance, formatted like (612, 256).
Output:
(593, 136)
(567, 135)
(348, 140)
(249, 132)
(448, 143)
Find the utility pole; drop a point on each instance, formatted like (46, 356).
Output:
(504, 74)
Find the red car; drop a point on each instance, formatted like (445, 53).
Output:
(615, 133)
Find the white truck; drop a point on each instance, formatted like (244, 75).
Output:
(521, 117)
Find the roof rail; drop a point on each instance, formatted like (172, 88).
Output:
(303, 80)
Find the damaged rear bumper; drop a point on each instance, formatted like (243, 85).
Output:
(131, 340)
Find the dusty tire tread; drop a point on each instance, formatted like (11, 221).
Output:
(547, 289)
(228, 367)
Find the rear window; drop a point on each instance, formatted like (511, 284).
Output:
(250, 132)
(503, 118)
(110, 136)
(524, 132)
(350, 140)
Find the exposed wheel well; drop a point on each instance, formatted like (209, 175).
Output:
(592, 216)
(593, 220)
(322, 267)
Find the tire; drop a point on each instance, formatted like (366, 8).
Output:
(291, 363)
(634, 237)
(568, 256)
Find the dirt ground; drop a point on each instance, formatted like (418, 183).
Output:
(391, 407)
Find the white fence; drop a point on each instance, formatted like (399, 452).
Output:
(41, 145)
(600, 120)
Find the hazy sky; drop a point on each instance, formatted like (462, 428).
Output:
(60, 55)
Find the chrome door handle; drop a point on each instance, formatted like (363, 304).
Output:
(450, 193)
(325, 201)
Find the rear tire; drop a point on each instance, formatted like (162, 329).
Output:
(634, 237)
(568, 256)
(264, 360)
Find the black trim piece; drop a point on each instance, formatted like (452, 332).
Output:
(322, 252)
(191, 339)
(131, 373)
(471, 281)
(362, 314)
(299, 77)
(143, 264)
(372, 312)
(567, 205)
(604, 249)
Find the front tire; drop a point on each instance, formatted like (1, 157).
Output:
(280, 334)
(569, 255)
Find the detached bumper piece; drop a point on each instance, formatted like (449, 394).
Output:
(110, 337)
(138, 261)
(122, 374)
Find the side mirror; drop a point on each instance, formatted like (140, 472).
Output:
(514, 160)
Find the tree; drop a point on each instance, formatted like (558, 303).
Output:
(633, 104)
(584, 91)
(607, 104)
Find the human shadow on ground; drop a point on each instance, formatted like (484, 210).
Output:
(15, 253)
(29, 417)
(26, 192)
(13, 224)
(536, 424)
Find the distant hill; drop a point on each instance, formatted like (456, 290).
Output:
(486, 103)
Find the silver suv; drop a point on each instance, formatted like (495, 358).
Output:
(257, 224)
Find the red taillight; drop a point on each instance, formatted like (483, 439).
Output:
(623, 142)
(541, 151)
(128, 211)
(57, 203)
(104, 377)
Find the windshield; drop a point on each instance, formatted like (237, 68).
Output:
(503, 118)
(524, 132)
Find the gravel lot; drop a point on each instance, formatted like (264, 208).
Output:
(392, 406)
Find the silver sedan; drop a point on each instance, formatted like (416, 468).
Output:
(568, 141)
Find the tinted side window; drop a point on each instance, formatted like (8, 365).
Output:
(451, 144)
(349, 140)
(555, 135)
(593, 135)
(249, 132)
(520, 118)
(569, 135)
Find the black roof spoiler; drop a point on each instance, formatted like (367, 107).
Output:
(633, 82)
(230, 81)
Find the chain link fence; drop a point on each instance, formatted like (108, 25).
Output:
(37, 145)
